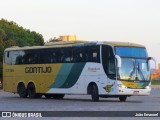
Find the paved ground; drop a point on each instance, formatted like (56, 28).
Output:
(12, 102)
(155, 86)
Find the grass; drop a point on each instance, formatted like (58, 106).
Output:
(155, 82)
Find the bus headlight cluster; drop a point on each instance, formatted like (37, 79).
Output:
(147, 87)
(121, 86)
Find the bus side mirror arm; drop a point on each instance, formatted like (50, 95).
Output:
(119, 62)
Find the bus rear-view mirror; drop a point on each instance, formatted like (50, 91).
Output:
(119, 63)
(154, 60)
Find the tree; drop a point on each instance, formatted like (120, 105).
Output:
(9, 43)
(22, 37)
(38, 38)
(2, 36)
(12, 34)
(54, 39)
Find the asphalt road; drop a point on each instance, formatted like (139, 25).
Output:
(12, 102)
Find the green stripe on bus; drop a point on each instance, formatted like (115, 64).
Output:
(62, 75)
(146, 83)
(73, 75)
(143, 84)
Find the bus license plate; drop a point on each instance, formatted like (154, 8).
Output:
(136, 92)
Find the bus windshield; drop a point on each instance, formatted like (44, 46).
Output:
(134, 69)
(135, 65)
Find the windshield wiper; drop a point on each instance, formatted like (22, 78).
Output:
(132, 72)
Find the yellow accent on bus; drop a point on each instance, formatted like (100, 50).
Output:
(30, 73)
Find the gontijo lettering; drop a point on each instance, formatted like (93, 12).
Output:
(38, 69)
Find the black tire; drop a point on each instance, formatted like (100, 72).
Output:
(122, 98)
(58, 96)
(94, 93)
(38, 95)
(32, 91)
(21, 90)
(48, 96)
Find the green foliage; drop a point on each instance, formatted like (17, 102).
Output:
(2, 36)
(22, 37)
(155, 82)
(54, 40)
(12, 34)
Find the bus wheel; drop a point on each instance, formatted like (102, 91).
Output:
(122, 98)
(58, 96)
(32, 91)
(48, 96)
(22, 90)
(94, 93)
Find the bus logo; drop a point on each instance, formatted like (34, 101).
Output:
(108, 88)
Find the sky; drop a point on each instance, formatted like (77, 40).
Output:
(136, 21)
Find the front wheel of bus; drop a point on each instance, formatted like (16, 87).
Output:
(32, 91)
(122, 98)
(22, 90)
(94, 93)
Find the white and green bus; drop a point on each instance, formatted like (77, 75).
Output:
(99, 69)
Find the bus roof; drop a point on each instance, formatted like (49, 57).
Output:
(75, 43)
(114, 43)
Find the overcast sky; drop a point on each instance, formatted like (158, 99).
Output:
(135, 21)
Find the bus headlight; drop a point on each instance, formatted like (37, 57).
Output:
(121, 86)
(147, 87)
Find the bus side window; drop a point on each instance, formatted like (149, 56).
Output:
(95, 57)
(93, 54)
(15, 59)
(8, 57)
(78, 54)
(111, 66)
(108, 60)
(53, 57)
(68, 57)
(30, 57)
(58, 55)
(45, 56)
(88, 54)
(81, 57)
(20, 57)
(96, 54)
(24, 55)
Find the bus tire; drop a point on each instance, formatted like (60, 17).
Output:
(58, 96)
(38, 95)
(94, 93)
(122, 98)
(48, 96)
(21, 90)
(32, 91)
